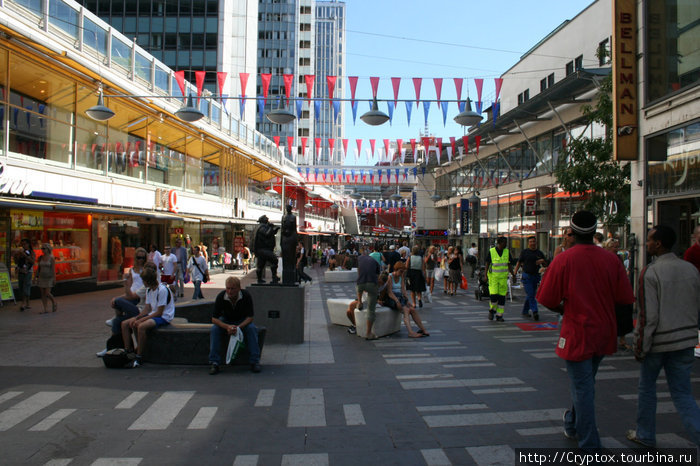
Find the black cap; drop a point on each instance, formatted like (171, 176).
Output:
(584, 222)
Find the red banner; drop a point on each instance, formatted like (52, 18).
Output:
(386, 149)
(290, 143)
(309, 78)
(199, 78)
(330, 81)
(265, 78)
(416, 84)
(458, 88)
(438, 89)
(372, 142)
(277, 141)
(353, 86)
(221, 79)
(180, 78)
(395, 83)
(288, 80)
(465, 140)
(499, 83)
(244, 82)
(479, 83)
(374, 81)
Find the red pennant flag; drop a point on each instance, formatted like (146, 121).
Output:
(399, 143)
(416, 84)
(371, 144)
(453, 146)
(499, 83)
(479, 83)
(477, 140)
(199, 78)
(244, 82)
(374, 81)
(458, 87)
(221, 80)
(331, 145)
(288, 80)
(438, 89)
(317, 143)
(465, 140)
(359, 148)
(303, 147)
(353, 86)
(345, 147)
(180, 78)
(426, 146)
(395, 83)
(386, 149)
(413, 148)
(330, 81)
(309, 78)
(277, 141)
(290, 143)
(265, 78)
(439, 152)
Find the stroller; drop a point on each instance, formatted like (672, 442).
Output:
(482, 289)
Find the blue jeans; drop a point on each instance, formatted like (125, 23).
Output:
(580, 420)
(197, 289)
(250, 336)
(124, 309)
(530, 283)
(677, 366)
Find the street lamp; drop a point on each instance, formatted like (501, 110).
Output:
(100, 112)
(189, 112)
(468, 117)
(375, 117)
(281, 115)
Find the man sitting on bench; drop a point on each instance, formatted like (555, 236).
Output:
(233, 310)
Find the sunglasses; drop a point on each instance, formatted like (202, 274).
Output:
(569, 234)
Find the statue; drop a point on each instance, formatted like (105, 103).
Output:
(289, 247)
(263, 247)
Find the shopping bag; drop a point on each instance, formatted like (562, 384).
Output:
(464, 285)
(235, 344)
(439, 273)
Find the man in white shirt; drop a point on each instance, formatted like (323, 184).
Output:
(404, 250)
(473, 258)
(169, 266)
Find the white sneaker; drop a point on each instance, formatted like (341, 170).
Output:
(428, 298)
(99, 354)
(108, 322)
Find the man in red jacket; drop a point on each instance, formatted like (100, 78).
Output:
(584, 283)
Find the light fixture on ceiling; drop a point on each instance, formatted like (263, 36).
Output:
(189, 112)
(375, 117)
(100, 112)
(435, 197)
(280, 115)
(308, 205)
(271, 191)
(396, 196)
(355, 195)
(335, 206)
(468, 117)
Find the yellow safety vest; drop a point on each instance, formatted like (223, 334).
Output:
(499, 264)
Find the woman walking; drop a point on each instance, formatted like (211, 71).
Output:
(431, 261)
(416, 276)
(46, 277)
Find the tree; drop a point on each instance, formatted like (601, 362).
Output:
(588, 166)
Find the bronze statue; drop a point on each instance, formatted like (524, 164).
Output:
(289, 245)
(263, 247)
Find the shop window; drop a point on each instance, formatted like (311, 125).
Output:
(673, 165)
(210, 178)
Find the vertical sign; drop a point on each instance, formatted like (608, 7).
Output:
(414, 210)
(464, 216)
(625, 105)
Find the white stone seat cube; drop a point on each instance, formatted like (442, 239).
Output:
(338, 275)
(337, 309)
(387, 321)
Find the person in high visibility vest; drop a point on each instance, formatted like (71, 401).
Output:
(498, 266)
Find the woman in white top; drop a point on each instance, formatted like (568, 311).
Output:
(197, 266)
(416, 276)
(398, 300)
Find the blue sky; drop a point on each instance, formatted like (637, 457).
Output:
(439, 39)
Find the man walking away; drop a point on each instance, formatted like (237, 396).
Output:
(498, 266)
(666, 333)
(531, 259)
(589, 281)
(367, 278)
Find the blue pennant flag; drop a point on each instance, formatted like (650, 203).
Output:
(444, 112)
(317, 109)
(479, 107)
(241, 105)
(354, 112)
(422, 169)
(261, 107)
(462, 105)
(408, 111)
(316, 173)
(336, 110)
(370, 104)
(426, 109)
(325, 173)
(352, 174)
(335, 174)
(298, 104)
(308, 171)
(390, 107)
(397, 175)
(415, 171)
(496, 110)
(405, 173)
(379, 172)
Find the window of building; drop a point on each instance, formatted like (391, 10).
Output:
(569, 68)
(578, 63)
(604, 53)
(543, 84)
(524, 96)
(550, 80)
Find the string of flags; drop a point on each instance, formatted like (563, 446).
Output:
(335, 103)
(358, 176)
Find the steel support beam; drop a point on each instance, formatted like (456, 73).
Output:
(529, 143)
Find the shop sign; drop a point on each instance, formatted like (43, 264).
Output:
(177, 231)
(624, 53)
(27, 219)
(10, 185)
(172, 201)
(464, 216)
(6, 291)
(433, 233)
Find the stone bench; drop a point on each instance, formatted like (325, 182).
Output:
(339, 275)
(188, 343)
(337, 309)
(387, 321)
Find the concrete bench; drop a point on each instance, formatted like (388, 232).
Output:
(387, 321)
(339, 275)
(195, 311)
(337, 309)
(188, 343)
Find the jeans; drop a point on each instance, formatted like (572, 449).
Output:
(530, 283)
(24, 283)
(372, 294)
(580, 420)
(123, 309)
(250, 336)
(197, 290)
(677, 366)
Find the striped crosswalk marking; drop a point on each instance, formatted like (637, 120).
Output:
(353, 415)
(24, 409)
(308, 459)
(203, 418)
(451, 383)
(491, 391)
(446, 359)
(503, 417)
(265, 398)
(464, 407)
(58, 462)
(117, 461)
(8, 396)
(492, 454)
(435, 457)
(307, 408)
(246, 460)
(52, 420)
(540, 431)
(131, 400)
(162, 412)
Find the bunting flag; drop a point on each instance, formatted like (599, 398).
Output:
(330, 82)
(390, 109)
(379, 173)
(290, 143)
(496, 107)
(413, 149)
(299, 104)
(261, 107)
(477, 141)
(396, 172)
(353, 105)
(265, 78)
(458, 88)
(439, 149)
(345, 149)
(224, 102)
(448, 150)
(498, 82)
(303, 147)
(317, 109)
(317, 144)
(479, 107)
(438, 89)
(479, 83)
(359, 148)
(405, 174)
(461, 105)
(426, 147)
(199, 79)
(415, 172)
(386, 150)
(241, 104)
(444, 113)
(395, 83)
(399, 144)
(277, 141)
(180, 78)
(426, 110)
(374, 81)
(371, 177)
(452, 146)
(244, 82)
(316, 171)
(221, 80)
(325, 174)
(408, 112)
(288, 80)
(331, 145)
(372, 143)
(416, 84)
(353, 87)
(465, 141)
(309, 78)
(336, 110)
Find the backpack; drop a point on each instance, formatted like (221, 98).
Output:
(116, 358)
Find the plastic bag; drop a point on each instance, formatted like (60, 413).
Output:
(464, 285)
(235, 344)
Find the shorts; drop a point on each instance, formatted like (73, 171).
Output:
(168, 279)
(498, 286)
(160, 321)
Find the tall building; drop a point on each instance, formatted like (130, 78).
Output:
(330, 61)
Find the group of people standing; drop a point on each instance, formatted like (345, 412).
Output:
(45, 278)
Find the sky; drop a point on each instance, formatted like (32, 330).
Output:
(437, 39)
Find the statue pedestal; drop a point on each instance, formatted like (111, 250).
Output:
(281, 309)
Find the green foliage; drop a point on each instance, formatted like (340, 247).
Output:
(588, 165)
